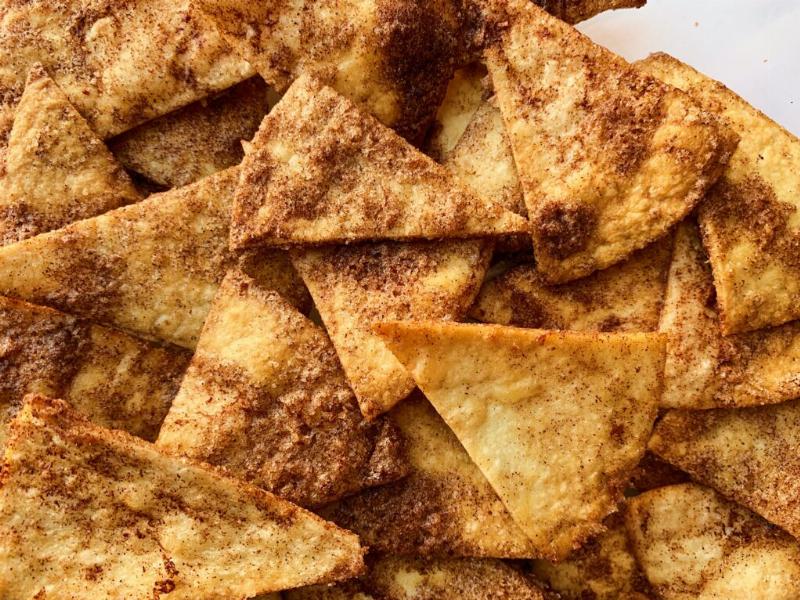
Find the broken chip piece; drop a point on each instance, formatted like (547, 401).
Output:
(556, 421)
(694, 545)
(85, 506)
(354, 287)
(57, 170)
(265, 398)
(320, 171)
(609, 158)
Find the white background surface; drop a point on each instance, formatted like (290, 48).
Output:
(752, 46)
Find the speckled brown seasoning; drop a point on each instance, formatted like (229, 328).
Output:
(148, 521)
(265, 398)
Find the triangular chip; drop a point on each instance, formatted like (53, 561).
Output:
(609, 159)
(556, 421)
(82, 507)
(57, 170)
(263, 374)
(116, 380)
(120, 64)
(151, 267)
(694, 545)
(321, 171)
(197, 140)
(751, 220)
(409, 578)
(603, 569)
(444, 507)
(393, 58)
(751, 455)
(357, 286)
(705, 369)
(625, 297)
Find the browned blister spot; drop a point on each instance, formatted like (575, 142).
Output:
(564, 229)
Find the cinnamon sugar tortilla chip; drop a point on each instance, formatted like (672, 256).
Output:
(86, 507)
(354, 287)
(197, 140)
(444, 507)
(263, 374)
(409, 578)
(608, 158)
(321, 171)
(704, 369)
(750, 221)
(751, 455)
(694, 545)
(151, 267)
(57, 170)
(574, 11)
(556, 421)
(114, 379)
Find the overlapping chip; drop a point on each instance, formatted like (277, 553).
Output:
(608, 158)
(151, 267)
(751, 455)
(556, 421)
(265, 398)
(82, 507)
(750, 221)
(694, 545)
(114, 379)
(197, 140)
(704, 369)
(56, 169)
(354, 287)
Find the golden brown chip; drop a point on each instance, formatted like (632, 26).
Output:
(393, 57)
(556, 421)
(151, 267)
(705, 369)
(444, 507)
(57, 170)
(119, 63)
(408, 578)
(197, 140)
(114, 379)
(694, 545)
(608, 158)
(751, 455)
(625, 297)
(265, 397)
(354, 287)
(573, 11)
(321, 171)
(750, 221)
(603, 569)
(82, 507)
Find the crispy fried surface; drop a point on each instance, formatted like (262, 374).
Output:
(408, 578)
(197, 140)
(603, 569)
(444, 507)
(393, 57)
(56, 169)
(625, 297)
(705, 369)
(556, 421)
(114, 379)
(151, 267)
(97, 53)
(750, 221)
(354, 287)
(609, 159)
(694, 545)
(265, 397)
(574, 11)
(83, 506)
(751, 455)
(321, 171)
